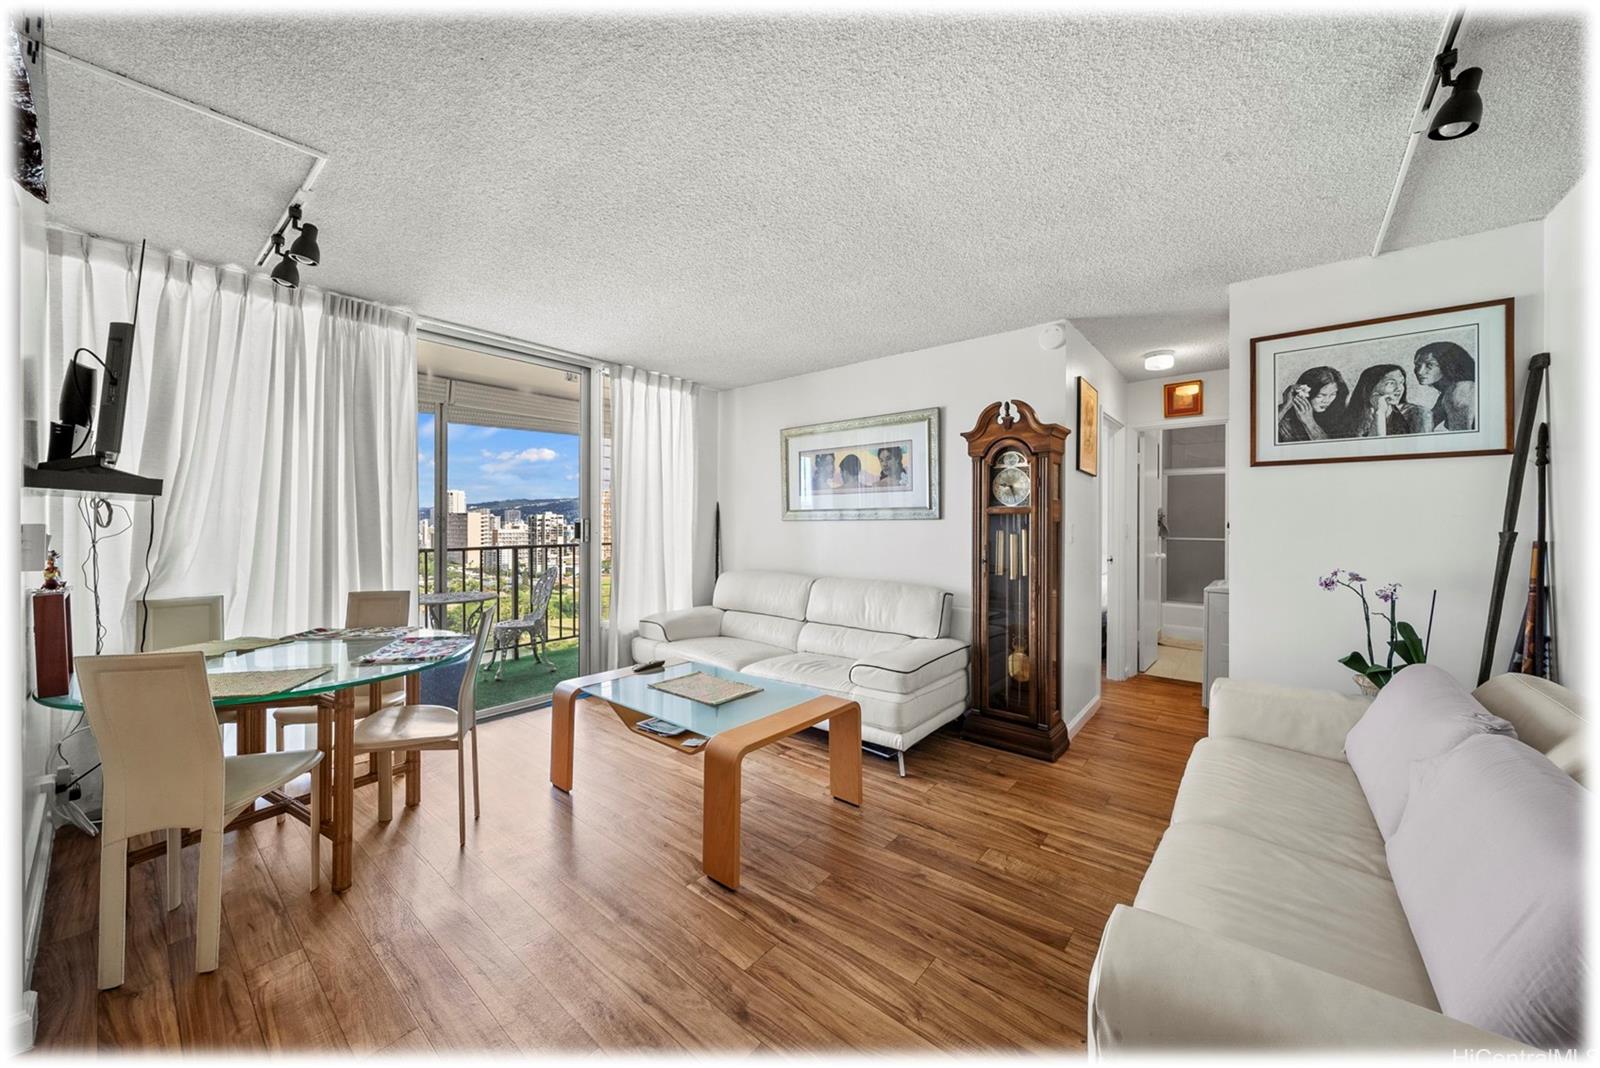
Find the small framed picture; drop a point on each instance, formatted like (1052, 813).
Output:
(1183, 398)
(1088, 428)
(1404, 387)
(877, 467)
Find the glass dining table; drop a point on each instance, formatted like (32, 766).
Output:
(333, 692)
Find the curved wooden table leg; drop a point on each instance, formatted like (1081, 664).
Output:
(725, 753)
(561, 724)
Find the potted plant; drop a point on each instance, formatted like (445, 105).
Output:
(1404, 644)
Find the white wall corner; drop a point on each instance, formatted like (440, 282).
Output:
(1082, 717)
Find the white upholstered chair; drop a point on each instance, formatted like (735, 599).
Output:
(363, 608)
(166, 622)
(407, 727)
(164, 771)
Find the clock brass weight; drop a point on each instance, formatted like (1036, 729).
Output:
(1016, 581)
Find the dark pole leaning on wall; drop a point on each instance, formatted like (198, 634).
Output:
(1508, 529)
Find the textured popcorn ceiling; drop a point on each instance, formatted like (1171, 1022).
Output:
(741, 199)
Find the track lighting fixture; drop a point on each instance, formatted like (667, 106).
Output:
(1459, 115)
(304, 250)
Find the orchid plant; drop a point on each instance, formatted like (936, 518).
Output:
(1404, 643)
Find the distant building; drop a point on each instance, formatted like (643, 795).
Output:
(512, 515)
(455, 501)
(425, 534)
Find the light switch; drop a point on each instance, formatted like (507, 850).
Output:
(34, 544)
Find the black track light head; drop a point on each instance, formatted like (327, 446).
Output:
(1458, 116)
(305, 250)
(285, 274)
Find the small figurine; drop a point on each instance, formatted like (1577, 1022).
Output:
(52, 572)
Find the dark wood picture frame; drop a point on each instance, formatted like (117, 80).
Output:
(1169, 394)
(1508, 304)
(1088, 428)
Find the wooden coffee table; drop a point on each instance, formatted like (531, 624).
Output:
(733, 730)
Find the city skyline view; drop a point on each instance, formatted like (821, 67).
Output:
(498, 463)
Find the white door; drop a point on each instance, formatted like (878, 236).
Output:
(1151, 546)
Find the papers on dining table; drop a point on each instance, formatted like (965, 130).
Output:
(350, 634)
(418, 650)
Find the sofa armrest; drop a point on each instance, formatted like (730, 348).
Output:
(703, 622)
(1161, 984)
(1310, 721)
(909, 667)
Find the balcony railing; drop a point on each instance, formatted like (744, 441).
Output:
(511, 571)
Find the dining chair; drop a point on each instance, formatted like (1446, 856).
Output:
(165, 622)
(362, 608)
(408, 727)
(164, 770)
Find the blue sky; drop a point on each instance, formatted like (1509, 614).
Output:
(491, 463)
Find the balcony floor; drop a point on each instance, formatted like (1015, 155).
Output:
(526, 679)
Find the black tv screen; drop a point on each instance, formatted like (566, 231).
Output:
(113, 395)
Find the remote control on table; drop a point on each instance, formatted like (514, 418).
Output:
(649, 666)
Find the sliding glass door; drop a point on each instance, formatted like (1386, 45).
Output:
(504, 521)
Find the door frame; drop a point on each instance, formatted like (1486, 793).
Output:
(590, 426)
(1114, 543)
(1130, 480)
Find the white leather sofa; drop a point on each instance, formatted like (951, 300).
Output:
(885, 645)
(1267, 917)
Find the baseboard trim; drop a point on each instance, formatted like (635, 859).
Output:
(25, 1024)
(1083, 716)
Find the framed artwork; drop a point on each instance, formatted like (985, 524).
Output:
(1179, 399)
(1404, 387)
(1088, 428)
(878, 467)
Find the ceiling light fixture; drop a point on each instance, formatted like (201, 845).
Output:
(304, 250)
(1160, 360)
(1458, 116)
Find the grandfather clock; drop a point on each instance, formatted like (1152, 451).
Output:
(1016, 581)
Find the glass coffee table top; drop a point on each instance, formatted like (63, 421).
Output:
(634, 693)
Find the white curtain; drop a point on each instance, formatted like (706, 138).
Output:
(282, 421)
(652, 501)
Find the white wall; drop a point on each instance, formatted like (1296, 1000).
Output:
(1424, 523)
(1145, 408)
(1569, 297)
(961, 378)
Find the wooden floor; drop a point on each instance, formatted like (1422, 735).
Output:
(959, 908)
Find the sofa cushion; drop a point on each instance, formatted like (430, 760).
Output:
(768, 630)
(851, 642)
(1488, 862)
(1330, 916)
(1420, 714)
(1290, 799)
(909, 667)
(767, 593)
(1545, 715)
(816, 670)
(732, 653)
(874, 604)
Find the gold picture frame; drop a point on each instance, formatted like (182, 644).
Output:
(1088, 428)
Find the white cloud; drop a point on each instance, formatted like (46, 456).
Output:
(500, 462)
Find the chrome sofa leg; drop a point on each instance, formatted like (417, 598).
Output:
(901, 757)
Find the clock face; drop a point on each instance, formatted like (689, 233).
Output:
(1012, 486)
(1013, 458)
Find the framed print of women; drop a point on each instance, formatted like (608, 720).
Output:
(878, 467)
(1403, 387)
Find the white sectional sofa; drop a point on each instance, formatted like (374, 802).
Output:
(1269, 916)
(885, 645)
